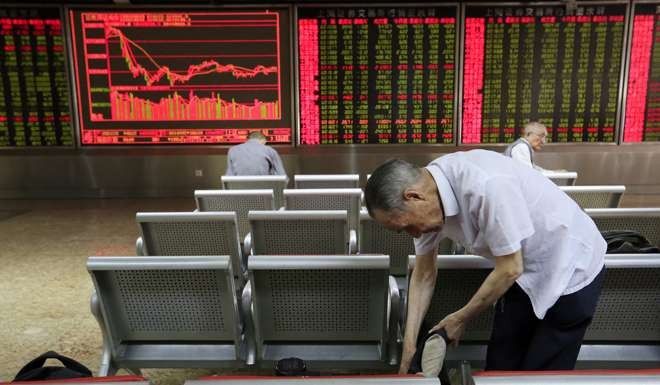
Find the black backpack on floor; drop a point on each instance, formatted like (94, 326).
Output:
(35, 369)
(627, 242)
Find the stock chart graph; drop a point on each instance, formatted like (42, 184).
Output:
(181, 77)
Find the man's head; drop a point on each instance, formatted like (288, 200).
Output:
(403, 197)
(258, 135)
(535, 133)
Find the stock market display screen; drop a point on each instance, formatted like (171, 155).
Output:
(642, 122)
(34, 93)
(377, 75)
(542, 63)
(182, 77)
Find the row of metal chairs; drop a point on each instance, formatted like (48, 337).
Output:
(318, 232)
(369, 379)
(278, 183)
(243, 201)
(166, 312)
(335, 311)
(625, 328)
(576, 377)
(566, 178)
(271, 232)
(350, 199)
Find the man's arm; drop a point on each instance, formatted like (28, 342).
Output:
(230, 169)
(276, 163)
(507, 269)
(422, 284)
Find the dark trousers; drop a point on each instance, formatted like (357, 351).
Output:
(520, 341)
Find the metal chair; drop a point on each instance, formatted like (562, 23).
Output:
(561, 178)
(326, 199)
(376, 239)
(561, 377)
(239, 201)
(300, 232)
(166, 312)
(378, 379)
(256, 182)
(327, 181)
(113, 380)
(595, 196)
(210, 233)
(646, 221)
(625, 327)
(338, 311)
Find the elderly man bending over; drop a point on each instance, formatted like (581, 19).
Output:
(548, 254)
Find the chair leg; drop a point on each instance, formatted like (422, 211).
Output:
(134, 371)
(107, 368)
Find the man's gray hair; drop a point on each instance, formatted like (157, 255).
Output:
(257, 135)
(533, 128)
(385, 187)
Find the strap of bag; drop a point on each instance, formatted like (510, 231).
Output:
(69, 363)
(627, 241)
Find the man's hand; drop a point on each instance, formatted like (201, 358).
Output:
(406, 358)
(453, 325)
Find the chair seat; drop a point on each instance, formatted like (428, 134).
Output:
(179, 355)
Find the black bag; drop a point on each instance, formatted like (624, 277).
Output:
(35, 369)
(293, 366)
(627, 242)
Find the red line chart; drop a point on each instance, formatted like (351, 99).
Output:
(169, 66)
(204, 68)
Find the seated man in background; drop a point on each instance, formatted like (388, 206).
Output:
(254, 158)
(522, 150)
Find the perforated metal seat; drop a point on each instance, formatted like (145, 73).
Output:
(210, 233)
(295, 232)
(339, 311)
(626, 319)
(239, 201)
(277, 183)
(572, 377)
(327, 181)
(562, 178)
(646, 221)
(166, 312)
(595, 196)
(376, 239)
(378, 379)
(326, 199)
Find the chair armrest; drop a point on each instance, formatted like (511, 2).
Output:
(105, 368)
(246, 313)
(139, 247)
(615, 200)
(352, 242)
(393, 327)
(247, 248)
(195, 210)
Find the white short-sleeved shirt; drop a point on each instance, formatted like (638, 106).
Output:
(496, 206)
(521, 153)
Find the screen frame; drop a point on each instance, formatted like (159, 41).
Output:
(224, 147)
(71, 91)
(457, 76)
(624, 63)
(630, 26)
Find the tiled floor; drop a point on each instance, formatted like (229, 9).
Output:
(45, 288)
